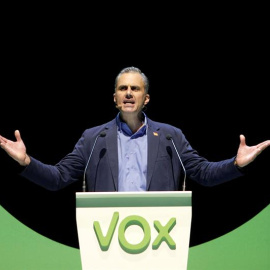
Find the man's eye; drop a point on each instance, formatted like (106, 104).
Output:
(122, 88)
(135, 88)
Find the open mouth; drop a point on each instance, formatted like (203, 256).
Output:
(129, 102)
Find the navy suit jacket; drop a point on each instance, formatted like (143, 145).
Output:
(164, 170)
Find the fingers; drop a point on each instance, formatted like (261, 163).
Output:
(259, 150)
(2, 140)
(263, 145)
(242, 140)
(17, 135)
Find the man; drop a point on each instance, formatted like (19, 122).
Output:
(132, 152)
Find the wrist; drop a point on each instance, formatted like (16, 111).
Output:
(26, 161)
(236, 164)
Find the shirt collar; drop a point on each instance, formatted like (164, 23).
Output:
(124, 128)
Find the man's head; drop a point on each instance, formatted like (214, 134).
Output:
(134, 70)
(131, 90)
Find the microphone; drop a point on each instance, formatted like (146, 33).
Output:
(169, 137)
(102, 134)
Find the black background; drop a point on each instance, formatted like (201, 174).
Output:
(210, 78)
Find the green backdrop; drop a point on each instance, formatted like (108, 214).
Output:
(247, 248)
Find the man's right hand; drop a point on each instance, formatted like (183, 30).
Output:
(16, 149)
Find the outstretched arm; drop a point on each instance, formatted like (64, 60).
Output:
(247, 154)
(15, 149)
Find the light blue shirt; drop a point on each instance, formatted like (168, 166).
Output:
(132, 157)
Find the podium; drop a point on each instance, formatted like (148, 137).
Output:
(134, 230)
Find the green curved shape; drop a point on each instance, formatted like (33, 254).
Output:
(134, 248)
(247, 247)
(23, 248)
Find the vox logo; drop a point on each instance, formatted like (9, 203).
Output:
(104, 240)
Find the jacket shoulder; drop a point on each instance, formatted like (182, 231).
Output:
(96, 130)
(163, 127)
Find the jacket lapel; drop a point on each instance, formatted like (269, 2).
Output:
(153, 138)
(111, 142)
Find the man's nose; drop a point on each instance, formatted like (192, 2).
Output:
(129, 93)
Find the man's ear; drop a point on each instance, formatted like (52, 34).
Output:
(146, 99)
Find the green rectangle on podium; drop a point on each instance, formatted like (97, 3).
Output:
(129, 199)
